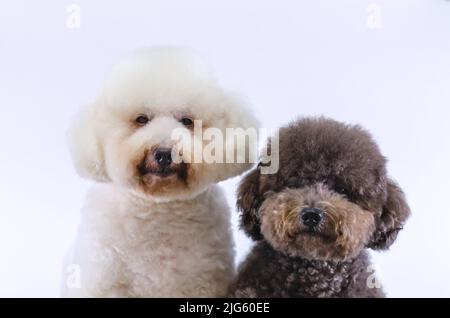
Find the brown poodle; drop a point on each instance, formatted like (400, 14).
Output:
(329, 200)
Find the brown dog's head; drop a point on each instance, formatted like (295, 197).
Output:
(330, 197)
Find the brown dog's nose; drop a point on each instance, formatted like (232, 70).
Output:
(163, 157)
(311, 217)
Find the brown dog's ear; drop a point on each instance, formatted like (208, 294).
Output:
(394, 214)
(249, 200)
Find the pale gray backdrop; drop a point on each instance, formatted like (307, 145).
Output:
(383, 64)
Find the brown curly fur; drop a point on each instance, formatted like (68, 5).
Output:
(339, 169)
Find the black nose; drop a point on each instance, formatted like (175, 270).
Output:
(311, 217)
(163, 157)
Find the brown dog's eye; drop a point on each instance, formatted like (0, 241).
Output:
(341, 190)
(142, 119)
(186, 121)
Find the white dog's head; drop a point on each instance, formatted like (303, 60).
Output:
(125, 136)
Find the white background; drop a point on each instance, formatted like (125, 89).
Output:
(288, 58)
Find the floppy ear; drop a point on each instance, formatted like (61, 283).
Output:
(394, 214)
(249, 200)
(85, 146)
(237, 115)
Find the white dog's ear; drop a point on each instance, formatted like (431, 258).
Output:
(86, 147)
(239, 117)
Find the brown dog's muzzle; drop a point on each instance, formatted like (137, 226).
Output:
(311, 217)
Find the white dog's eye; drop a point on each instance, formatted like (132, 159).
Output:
(186, 121)
(142, 119)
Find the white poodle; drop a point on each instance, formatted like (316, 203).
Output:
(153, 227)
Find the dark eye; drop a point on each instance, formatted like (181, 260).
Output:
(295, 183)
(142, 119)
(186, 121)
(341, 190)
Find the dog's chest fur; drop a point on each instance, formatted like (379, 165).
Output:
(138, 248)
(268, 273)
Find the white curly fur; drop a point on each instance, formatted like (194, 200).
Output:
(175, 242)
